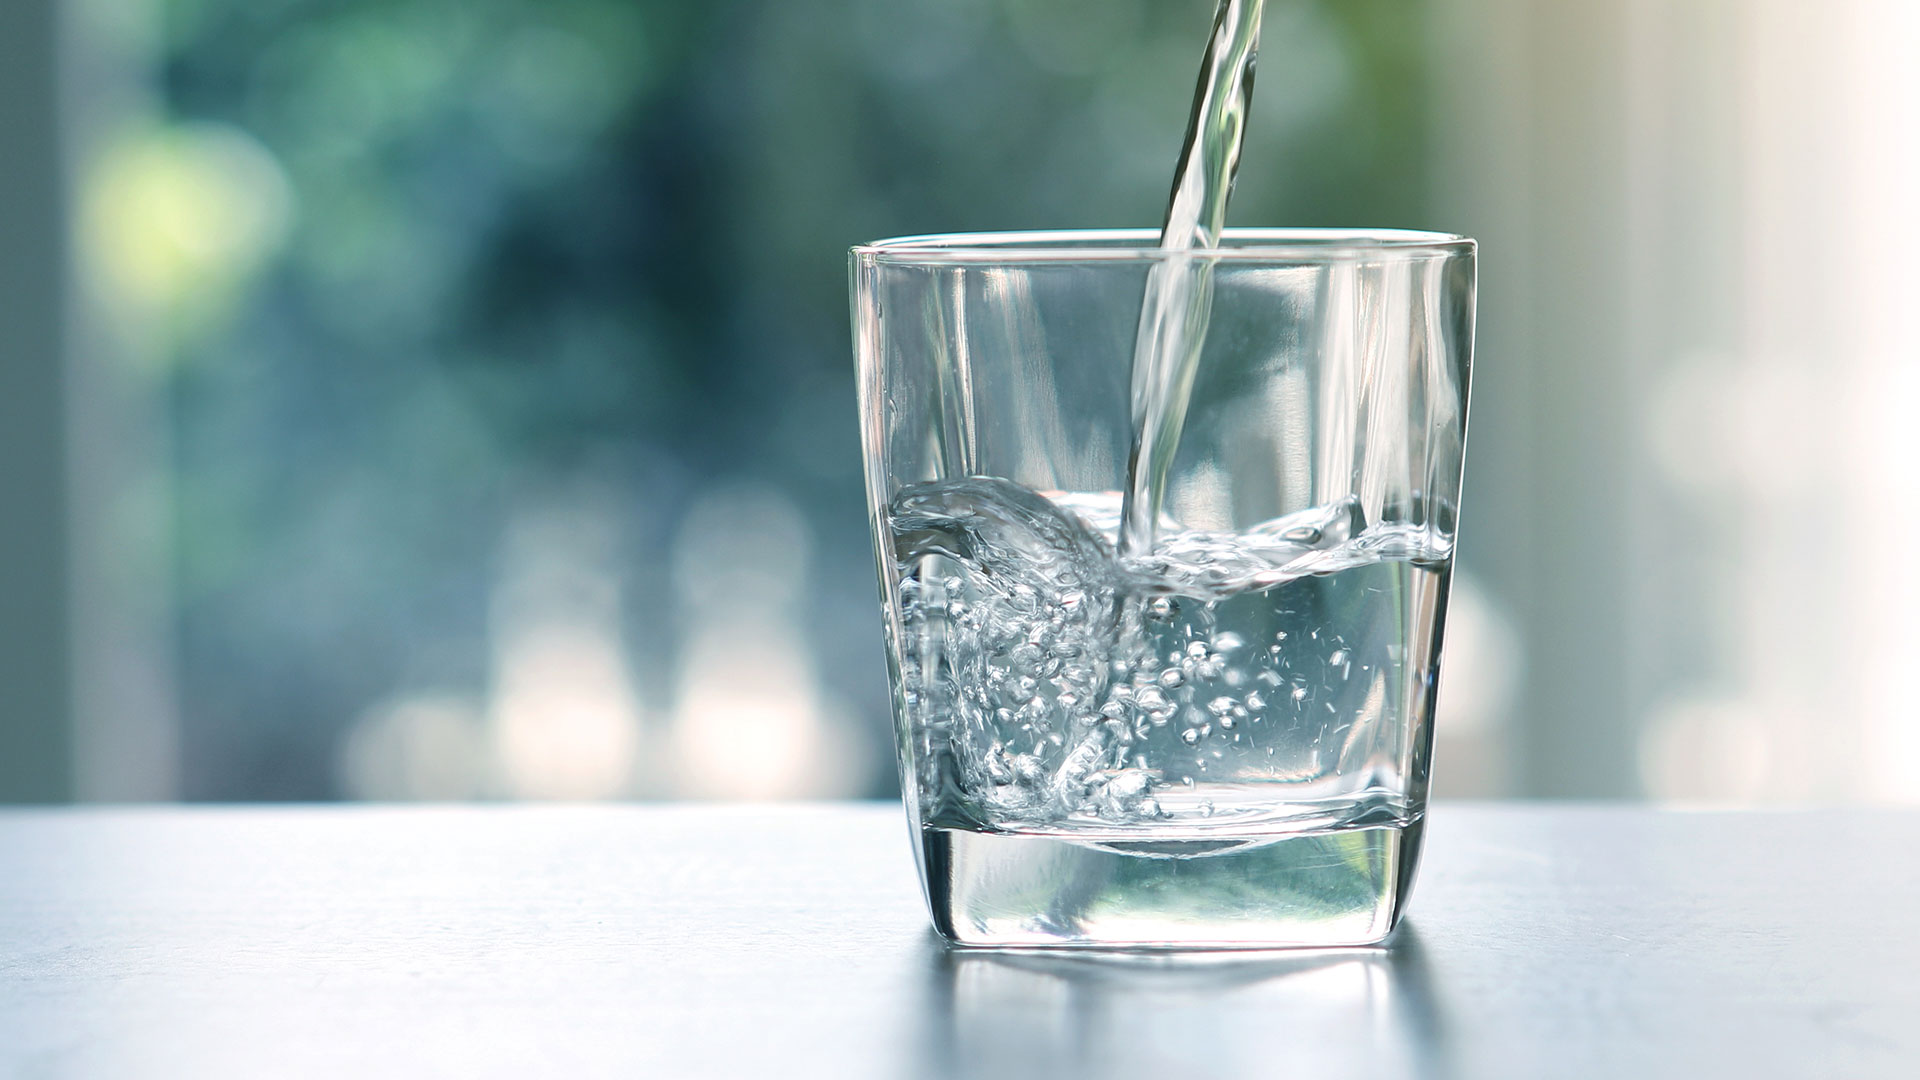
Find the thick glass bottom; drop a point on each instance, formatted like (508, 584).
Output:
(1334, 888)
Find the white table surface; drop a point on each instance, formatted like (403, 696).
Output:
(1545, 940)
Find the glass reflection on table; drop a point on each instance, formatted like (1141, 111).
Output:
(1321, 1014)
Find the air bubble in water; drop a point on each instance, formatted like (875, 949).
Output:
(998, 768)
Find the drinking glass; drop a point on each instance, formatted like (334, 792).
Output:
(1210, 727)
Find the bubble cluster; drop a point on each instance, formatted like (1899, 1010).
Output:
(1043, 679)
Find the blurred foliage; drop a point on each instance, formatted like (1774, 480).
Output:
(597, 247)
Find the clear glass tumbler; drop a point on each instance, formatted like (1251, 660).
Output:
(1214, 732)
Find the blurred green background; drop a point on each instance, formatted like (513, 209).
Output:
(452, 398)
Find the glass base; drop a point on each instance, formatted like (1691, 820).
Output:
(1026, 890)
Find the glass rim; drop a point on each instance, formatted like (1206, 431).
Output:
(1142, 245)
